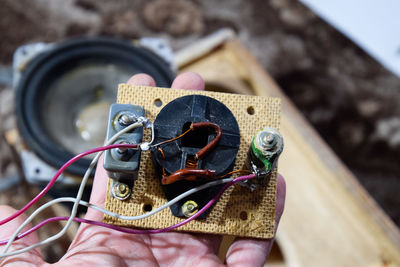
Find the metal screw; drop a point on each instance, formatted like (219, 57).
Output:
(123, 150)
(122, 153)
(189, 208)
(268, 140)
(122, 188)
(126, 119)
(120, 191)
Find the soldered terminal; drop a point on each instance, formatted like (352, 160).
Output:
(262, 156)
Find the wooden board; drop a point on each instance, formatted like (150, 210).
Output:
(329, 219)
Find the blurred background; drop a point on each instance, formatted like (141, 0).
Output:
(348, 96)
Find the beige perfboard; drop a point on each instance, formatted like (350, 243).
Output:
(239, 211)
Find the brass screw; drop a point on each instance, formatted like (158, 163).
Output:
(189, 208)
(122, 188)
(120, 191)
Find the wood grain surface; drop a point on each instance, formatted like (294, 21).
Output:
(329, 218)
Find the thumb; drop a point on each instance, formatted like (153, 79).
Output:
(33, 257)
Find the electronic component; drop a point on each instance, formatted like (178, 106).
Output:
(197, 140)
(263, 154)
(122, 164)
(240, 211)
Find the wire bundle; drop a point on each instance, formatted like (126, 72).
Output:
(77, 201)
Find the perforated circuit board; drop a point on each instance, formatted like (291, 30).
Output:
(239, 211)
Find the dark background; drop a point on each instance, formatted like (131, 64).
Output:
(348, 97)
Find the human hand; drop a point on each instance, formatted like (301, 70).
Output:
(94, 246)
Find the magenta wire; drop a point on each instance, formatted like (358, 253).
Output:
(58, 173)
(133, 231)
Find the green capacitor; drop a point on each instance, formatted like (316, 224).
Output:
(263, 154)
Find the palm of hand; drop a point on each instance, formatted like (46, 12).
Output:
(167, 249)
(96, 246)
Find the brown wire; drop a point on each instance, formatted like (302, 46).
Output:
(210, 146)
(163, 156)
(161, 152)
(188, 174)
(198, 125)
(233, 172)
(191, 163)
(175, 138)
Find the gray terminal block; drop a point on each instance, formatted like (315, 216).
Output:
(123, 164)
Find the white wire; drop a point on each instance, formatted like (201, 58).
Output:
(112, 214)
(123, 217)
(74, 208)
(139, 217)
(166, 205)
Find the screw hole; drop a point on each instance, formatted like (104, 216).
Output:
(157, 102)
(37, 170)
(147, 207)
(243, 215)
(250, 110)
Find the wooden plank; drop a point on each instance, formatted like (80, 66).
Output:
(329, 219)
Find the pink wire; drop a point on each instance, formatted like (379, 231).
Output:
(58, 173)
(134, 231)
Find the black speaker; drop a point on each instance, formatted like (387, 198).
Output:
(64, 93)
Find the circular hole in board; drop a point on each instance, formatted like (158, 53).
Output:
(147, 207)
(243, 215)
(37, 170)
(250, 110)
(157, 102)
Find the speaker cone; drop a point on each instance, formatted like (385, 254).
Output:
(63, 97)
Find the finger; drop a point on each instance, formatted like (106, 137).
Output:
(99, 189)
(280, 199)
(253, 252)
(98, 194)
(189, 81)
(33, 257)
(142, 80)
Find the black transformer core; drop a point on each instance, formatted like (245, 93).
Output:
(173, 120)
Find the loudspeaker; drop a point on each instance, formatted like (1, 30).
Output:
(63, 95)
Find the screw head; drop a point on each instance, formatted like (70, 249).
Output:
(122, 188)
(123, 150)
(120, 191)
(126, 119)
(122, 153)
(267, 140)
(189, 208)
